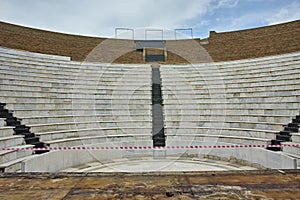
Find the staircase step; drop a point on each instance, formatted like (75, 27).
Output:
(22, 129)
(297, 121)
(293, 125)
(291, 129)
(5, 113)
(283, 137)
(31, 140)
(27, 135)
(276, 142)
(13, 123)
(2, 106)
(288, 133)
(22, 126)
(274, 148)
(159, 143)
(38, 144)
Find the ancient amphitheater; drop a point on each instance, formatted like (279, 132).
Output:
(82, 111)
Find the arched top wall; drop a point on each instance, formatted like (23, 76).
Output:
(251, 43)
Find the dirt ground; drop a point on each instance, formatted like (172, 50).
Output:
(262, 184)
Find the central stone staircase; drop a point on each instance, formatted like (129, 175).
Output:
(157, 111)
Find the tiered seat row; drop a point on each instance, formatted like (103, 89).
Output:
(70, 103)
(248, 99)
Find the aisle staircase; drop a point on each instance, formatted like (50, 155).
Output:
(157, 111)
(286, 134)
(21, 129)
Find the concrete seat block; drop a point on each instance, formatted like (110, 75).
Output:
(225, 124)
(281, 119)
(190, 104)
(78, 133)
(18, 53)
(296, 137)
(11, 141)
(94, 141)
(194, 139)
(87, 124)
(6, 131)
(267, 134)
(212, 111)
(109, 111)
(133, 103)
(2, 122)
(83, 118)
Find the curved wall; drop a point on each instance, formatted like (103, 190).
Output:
(40, 41)
(257, 42)
(251, 43)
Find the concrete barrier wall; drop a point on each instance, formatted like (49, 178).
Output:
(59, 160)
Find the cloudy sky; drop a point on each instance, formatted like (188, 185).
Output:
(101, 17)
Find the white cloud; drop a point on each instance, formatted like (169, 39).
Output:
(288, 13)
(227, 3)
(100, 17)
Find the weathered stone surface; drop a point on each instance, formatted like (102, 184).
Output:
(205, 185)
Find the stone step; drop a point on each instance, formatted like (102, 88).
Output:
(224, 124)
(212, 111)
(95, 140)
(22, 129)
(2, 122)
(291, 129)
(17, 53)
(180, 139)
(295, 137)
(31, 140)
(283, 137)
(78, 133)
(6, 131)
(237, 132)
(90, 124)
(10, 141)
(112, 112)
(32, 120)
(226, 105)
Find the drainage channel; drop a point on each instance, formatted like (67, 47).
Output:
(157, 110)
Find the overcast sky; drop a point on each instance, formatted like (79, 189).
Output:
(101, 17)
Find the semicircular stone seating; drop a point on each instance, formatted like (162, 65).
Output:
(73, 104)
(68, 104)
(237, 102)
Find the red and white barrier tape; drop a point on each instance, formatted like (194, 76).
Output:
(149, 147)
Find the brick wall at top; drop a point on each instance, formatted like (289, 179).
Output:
(265, 41)
(258, 42)
(35, 40)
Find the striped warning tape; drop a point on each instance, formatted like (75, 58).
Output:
(149, 147)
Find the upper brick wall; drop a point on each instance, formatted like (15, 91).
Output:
(258, 42)
(251, 43)
(35, 40)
